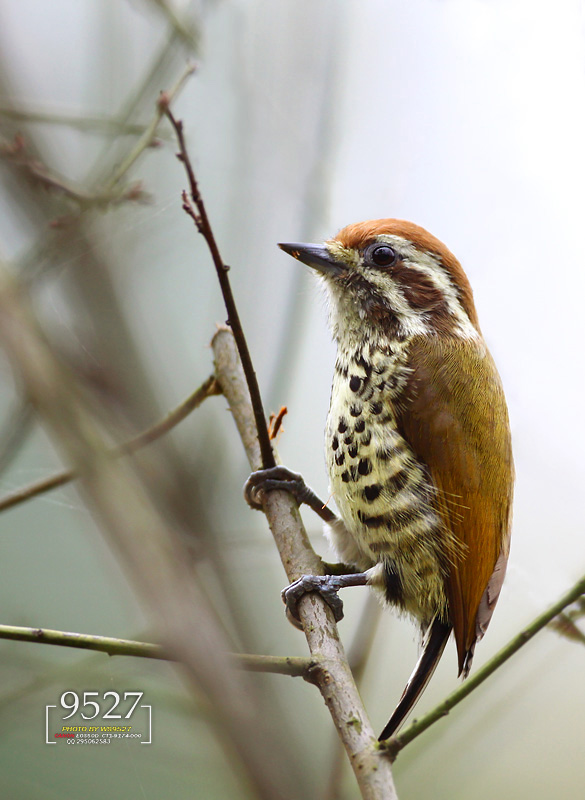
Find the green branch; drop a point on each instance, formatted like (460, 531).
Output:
(294, 667)
(395, 745)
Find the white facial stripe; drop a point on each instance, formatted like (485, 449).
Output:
(431, 266)
(412, 322)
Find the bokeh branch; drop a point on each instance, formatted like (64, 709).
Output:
(149, 544)
(164, 426)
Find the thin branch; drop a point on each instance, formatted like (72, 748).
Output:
(332, 674)
(186, 32)
(207, 389)
(294, 667)
(396, 744)
(204, 227)
(85, 641)
(149, 83)
(147, 137)
(566, 627)
(17, 153)
(104, 124)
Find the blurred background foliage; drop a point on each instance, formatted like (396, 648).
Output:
(466, 117)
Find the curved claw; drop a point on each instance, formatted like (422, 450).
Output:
(265, 480)
(326, 585)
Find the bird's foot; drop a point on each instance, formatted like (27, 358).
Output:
(326, 585)
(267, 480)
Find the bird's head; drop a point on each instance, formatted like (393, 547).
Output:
(390, 277)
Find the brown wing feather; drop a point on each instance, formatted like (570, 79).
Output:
(456, 422)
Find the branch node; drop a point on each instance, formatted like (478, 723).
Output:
(163, 102)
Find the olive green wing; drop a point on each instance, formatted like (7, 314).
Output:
(456, 422)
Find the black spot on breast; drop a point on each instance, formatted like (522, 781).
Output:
(399, 520)
(376, 408)
(365, 466)
(368, 394)
(366, 438)
(387, 452)
(365, 365)
(355, 410)
(360, 426)
(339, 459)
(392, 584)
(353, 450)
(348, 439)
(345, 476)
(373, 522)
(372, 492)
(354, 383)
(398, 481)
(334, 443)
(342, 426)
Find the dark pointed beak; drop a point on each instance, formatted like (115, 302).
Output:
(316, 256)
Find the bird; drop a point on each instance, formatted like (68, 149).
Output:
(417, 441)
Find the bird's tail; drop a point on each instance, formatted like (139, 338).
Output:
(436, 640)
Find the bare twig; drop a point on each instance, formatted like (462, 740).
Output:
(394, 745)
(275, 422)
(17, 153)
(332, 674)
(103, 124)
(154, 76)
(185, 31)
(85, 641)
(201, 220)
(567, 628)
(147, 137)
(209, 388)
(294, 667)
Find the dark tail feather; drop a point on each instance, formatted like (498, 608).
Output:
(433, 650)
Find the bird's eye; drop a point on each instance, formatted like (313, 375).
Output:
(383, 255)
